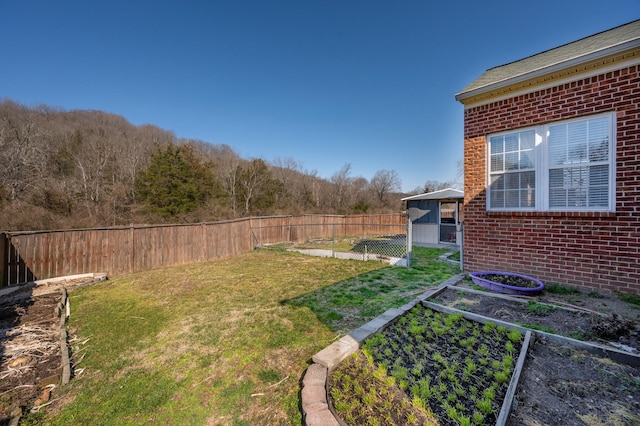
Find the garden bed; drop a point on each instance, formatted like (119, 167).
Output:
(564, 381)
(33, 343)
(578, 323)
(452, 370)
(30, 357)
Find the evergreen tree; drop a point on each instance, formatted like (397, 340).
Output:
(176, 182)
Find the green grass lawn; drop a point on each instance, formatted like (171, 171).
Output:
(223, 342)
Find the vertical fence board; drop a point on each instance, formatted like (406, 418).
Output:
(38, 255)
(55, 251)
(167, 245)
(17, 275)
(46, 256)
(122, 250)
(12, 265)
(4, 260)
(77, 254)
(66, 253)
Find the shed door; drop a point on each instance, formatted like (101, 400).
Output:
(448, 222)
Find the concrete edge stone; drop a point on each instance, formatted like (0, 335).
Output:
(454, 279)
(442, 287)
(316, 375)
(321, 418)
(391, 314)
(314, 398)
(408, 306)
(336, 352)
(315, 407)
(445, 258)
(360, 334)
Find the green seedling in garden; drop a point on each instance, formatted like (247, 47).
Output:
(555, 288)
(509, 347)
(514, 335)
(484, 405)
(634, 299)
(538, 327)
(539, 308)
(478, 418)
(445, 369)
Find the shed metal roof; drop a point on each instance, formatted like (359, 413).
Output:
(587, 49)
(443, 194)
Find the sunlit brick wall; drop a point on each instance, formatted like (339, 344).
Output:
(593, 251)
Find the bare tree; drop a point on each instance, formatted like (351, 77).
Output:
(341, 181)
(79, 168)
(458, 181)
(23, 150)
(255, 184)
(228, 169)
(433, 185)
(383, 183)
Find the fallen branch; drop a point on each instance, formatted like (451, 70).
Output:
(38, 407)
(18, 387)
(79, 361)
(268, 387)
(580, 308)
(276, 384)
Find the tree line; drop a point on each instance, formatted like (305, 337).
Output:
(77, 169)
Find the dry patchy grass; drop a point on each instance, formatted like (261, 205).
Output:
(210, 343)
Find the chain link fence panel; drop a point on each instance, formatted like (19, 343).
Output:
(344, 240)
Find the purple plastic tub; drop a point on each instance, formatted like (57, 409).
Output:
(504, 288)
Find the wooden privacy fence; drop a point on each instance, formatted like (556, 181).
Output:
(298, 229)
(29, 256)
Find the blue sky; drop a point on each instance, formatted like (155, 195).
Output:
(370, 83)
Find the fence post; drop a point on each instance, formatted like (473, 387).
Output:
(409, 240)
(4, 260)
(461, 225)
(333, 240)
(131, 251)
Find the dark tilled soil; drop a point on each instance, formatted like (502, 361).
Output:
(561, 385)
(580, 322)
(511, 280)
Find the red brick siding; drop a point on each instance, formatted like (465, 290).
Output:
(593, 251)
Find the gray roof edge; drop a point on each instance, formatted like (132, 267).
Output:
(621, 47)
(435, 195)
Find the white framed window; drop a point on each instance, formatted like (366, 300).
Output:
(563, 166)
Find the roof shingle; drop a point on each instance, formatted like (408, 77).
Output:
(583, 48)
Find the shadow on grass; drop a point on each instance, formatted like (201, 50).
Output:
(388, 245)
(350, 303)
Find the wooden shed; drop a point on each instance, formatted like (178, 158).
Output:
(435, 217)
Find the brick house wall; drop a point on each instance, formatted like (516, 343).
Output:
(597, 251)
